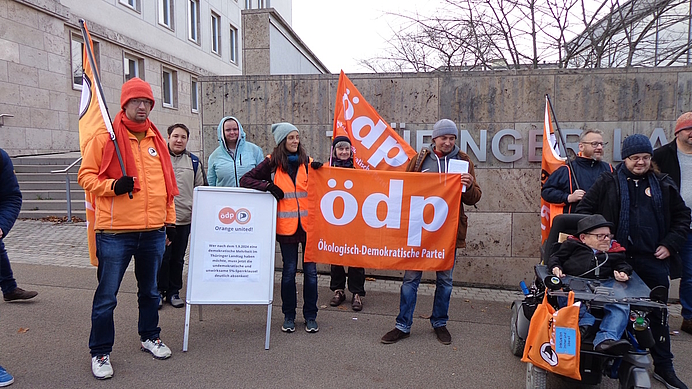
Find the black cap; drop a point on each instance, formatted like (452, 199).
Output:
(591, 223)
(340, 138)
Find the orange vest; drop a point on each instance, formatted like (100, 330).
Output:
(294, 206)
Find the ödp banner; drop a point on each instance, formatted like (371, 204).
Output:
(382, 219)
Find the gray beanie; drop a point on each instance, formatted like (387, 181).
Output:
(445, 127)
(635, 144)
(281, 131)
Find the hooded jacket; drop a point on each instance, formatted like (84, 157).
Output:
(560, 184)
(226, 169)
(428, 161)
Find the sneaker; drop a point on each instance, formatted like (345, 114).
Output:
(443, 335)
(686, 326)
(101, 367)
(338, 298)
(20, 294)
(176, 301)
(160, 301)
(289, 325)
(669, 379)
(356, 303)
(156, 348)
(394, 336)
(5, 377)
(311, 326)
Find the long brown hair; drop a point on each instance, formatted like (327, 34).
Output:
(279, 157)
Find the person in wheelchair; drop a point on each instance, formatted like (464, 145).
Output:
(592, 253)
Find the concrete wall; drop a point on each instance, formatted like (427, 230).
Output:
(504, 233)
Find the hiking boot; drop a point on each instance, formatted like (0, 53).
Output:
(394, 336)
(356, 303)
(686, 326)
(311, 326)
(176, 301)
(156, 348)
(443, 335)
(20, 294)
(338, 298)
(101, 367)
(669, 379)
(288, 326)
(5, 377)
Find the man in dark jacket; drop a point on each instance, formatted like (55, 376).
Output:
(567, 186)
(436, 160)
(10, 205)
(592, 253)
(675, 159)
(651, 221)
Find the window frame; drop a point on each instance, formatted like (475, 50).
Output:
(139, 66)
(193, 21)
(172, 94)
(76, 38)
(161, 13)
(233, 45)
(215, 33)
(194, 95)
(137, 7)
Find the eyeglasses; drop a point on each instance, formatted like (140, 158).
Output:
(634, 159)
(602, 236)
(136, 102)
(595, 144)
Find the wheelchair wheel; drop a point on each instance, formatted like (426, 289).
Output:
(516, 343)
(536, 378)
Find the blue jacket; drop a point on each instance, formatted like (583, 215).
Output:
(10, 196)
(226, 170)
(560, 185)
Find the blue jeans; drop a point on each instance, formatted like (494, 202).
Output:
(289, 252)
(686, 279)
(7, 282)
(114, 252)
(613, 324)
(409, 295)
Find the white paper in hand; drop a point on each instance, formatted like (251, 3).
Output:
(458, 166)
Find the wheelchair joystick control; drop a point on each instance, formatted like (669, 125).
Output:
(553, 282)
(643, 333)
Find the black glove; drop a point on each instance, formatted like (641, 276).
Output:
(315, 165)
(124, 184)
(170, 233)
(275, 191)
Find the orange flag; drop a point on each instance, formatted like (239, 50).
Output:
(550, 162)
(383, 219)
(375, 143)
(93, 119)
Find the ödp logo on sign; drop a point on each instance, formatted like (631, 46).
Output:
(228, 215)
(393, 203)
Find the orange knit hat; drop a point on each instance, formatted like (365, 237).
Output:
(136, 88)
(684, 122)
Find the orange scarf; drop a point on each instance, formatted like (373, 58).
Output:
(110, 166)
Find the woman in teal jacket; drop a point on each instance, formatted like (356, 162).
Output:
(234, 156)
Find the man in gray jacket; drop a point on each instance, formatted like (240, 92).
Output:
(189, 173)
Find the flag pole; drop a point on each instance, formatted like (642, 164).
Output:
(101, 96)
(562, 141)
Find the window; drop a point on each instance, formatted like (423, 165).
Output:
(76, 52)
(234, 45)
(260, 4)
(169, 88)
(133, 67)
(134, 4)
(215, 33)
(193, 20)
(166, 13)
(194, 95)
(248, 4)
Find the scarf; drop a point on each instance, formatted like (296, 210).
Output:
(623, 232)
(345, 164)
(110, 166)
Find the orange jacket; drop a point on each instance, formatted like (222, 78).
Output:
(294, 205)
(147, 209)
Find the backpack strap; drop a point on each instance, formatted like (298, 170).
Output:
(195, 167)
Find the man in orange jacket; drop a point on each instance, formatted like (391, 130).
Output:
(134, 215)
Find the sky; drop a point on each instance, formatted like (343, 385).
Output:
(341, 32)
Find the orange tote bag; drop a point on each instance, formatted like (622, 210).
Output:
(554, 340)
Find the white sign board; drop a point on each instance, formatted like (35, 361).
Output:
(232, 241)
